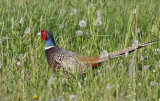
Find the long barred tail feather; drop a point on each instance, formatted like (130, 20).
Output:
(130, 49)
(94, 61)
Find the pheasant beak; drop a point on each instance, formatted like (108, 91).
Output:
(39, 34)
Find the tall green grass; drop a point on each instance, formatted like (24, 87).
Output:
(24, 77)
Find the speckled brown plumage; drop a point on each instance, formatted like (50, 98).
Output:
(71, 61)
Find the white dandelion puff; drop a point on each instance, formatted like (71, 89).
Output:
(104, 54)
(152, 83)
(134, 94)
(154, 29)
(99, 72)
(98, 13)
(50, 81)
(121, 63)
(109, 86)
(27, 30)
(138, 30)
(20, 56)
(61, 26)
(146, 67)
(98, 22)
(82, 23)
(154, 71)
(79, 33)
(128, 96)
(135, 43)
(135, 11)
(99, 18)
(72, 97)
(62, 11)
(22, 20)
(18, 63)
(139, 84)
(131, 66)
(73, 11)
(89, 5)
(158, 50)
(79, 84)
(142, 58)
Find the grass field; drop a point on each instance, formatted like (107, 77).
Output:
(110, 25)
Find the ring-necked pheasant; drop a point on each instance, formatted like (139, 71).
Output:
(71, 61)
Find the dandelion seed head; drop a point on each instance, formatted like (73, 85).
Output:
(22, 20)
(121, 63)
(62, 11)
(18, 63)
(89, 5)
(99, 72)
(27, 30)
(154, 29)
(98, 22)
(104, 54)
(60, 98)
(79, 84)
(82, 23)
(128, 96)
(73, 11)
(134, 94)
(135, 11)
(131, 64)
(135, 43)
(79, 33)
(146, 67)
(99, 18)
(152, 83)
(50, 81)
(158, 50)
(61, 26)
(98, 13)
(72, 97)
(154, 71)
(139, 84)
(134, 99)
(142, 58)
(20, 56)
(109, 86)
(138, 30)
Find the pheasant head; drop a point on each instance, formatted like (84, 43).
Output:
(48, 37)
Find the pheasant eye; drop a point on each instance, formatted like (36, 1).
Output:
(43, 32)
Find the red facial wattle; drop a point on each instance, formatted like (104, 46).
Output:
(44, 37)
(44, 34)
